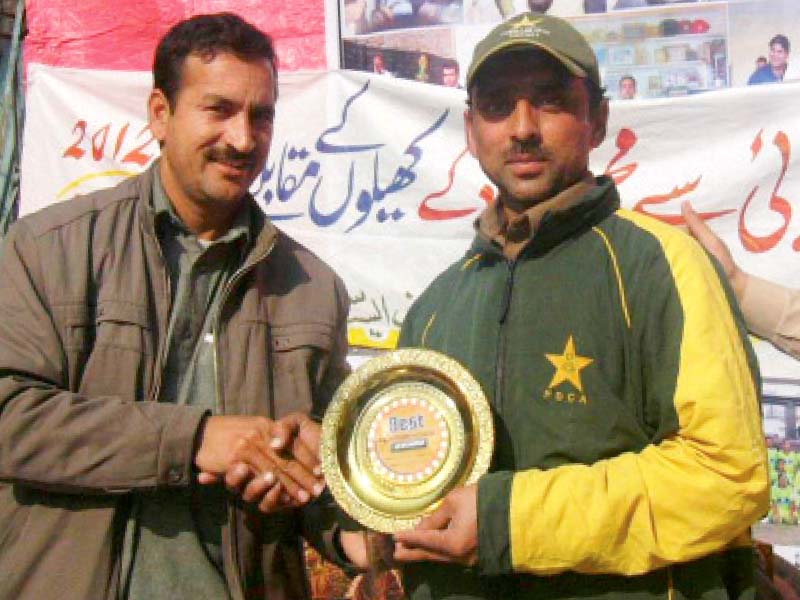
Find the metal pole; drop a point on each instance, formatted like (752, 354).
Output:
(11, 123)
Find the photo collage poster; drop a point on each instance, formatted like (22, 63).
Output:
(646, 48)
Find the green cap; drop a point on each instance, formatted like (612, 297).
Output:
(544, 32)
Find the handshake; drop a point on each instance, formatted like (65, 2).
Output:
(274, 464)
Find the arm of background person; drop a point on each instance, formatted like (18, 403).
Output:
(770, 310)
(55, 439)
(694, 490)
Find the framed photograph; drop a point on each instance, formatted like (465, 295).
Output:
(621, 56)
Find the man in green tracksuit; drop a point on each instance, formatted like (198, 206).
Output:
(630, 460)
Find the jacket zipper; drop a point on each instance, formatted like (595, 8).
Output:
(505, 306)
(162, 346)
(219, 404)
(670, 584)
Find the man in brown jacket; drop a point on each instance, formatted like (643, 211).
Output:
(159, 339)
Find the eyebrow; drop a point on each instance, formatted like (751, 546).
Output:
(494, 88)
(212, 98)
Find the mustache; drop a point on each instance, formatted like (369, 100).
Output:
(529, 149)
(231, 156)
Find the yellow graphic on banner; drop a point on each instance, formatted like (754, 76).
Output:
(62, 193)
(364, 337)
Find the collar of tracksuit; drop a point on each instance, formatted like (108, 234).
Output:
(546, 224)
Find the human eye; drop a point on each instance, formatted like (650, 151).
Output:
(263, 116)
(495, 105)
(219, 109)
(551, 99)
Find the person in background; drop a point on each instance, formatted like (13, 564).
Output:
(381, 18)
(165, 351)
(450, 73)
(487, 11)
(771, 311)
(629, 459)
(379, 65)
(436, 12)
(627, 87)
(775, 71)
(355, 17)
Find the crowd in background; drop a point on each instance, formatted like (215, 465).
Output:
(784, 467)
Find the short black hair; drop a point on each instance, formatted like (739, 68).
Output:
(782, 41)
(207, 36)
(596, 93)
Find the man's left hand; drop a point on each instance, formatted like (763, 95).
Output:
(450, 534)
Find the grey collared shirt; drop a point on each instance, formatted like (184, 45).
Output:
(173, 541)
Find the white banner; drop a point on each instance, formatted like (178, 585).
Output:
(371, 173)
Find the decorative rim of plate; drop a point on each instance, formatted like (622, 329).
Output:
(438, 366)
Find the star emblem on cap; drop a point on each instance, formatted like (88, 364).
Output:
(568, 366)
(526, 21)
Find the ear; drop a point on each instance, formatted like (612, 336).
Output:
(468, 123)
(600, 123)
(158, 113)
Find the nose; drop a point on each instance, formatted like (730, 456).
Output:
(240, 134)
(524, 120)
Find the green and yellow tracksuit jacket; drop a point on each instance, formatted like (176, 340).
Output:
(630, 460)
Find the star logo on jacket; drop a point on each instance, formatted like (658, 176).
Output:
(569, 365)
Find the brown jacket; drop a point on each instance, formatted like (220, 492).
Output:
(84, 304)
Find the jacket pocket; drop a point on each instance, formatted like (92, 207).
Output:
(124, 326)
(109, 347)
(110, 323)
(286, 338)
(301, 355)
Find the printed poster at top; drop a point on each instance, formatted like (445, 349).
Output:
(646, 48)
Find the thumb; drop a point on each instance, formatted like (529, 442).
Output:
(439, 519)
(305, 428)
(436, 521)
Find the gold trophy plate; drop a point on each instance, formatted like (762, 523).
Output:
(400, 433)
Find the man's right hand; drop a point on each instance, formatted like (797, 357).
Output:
(273, 463)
